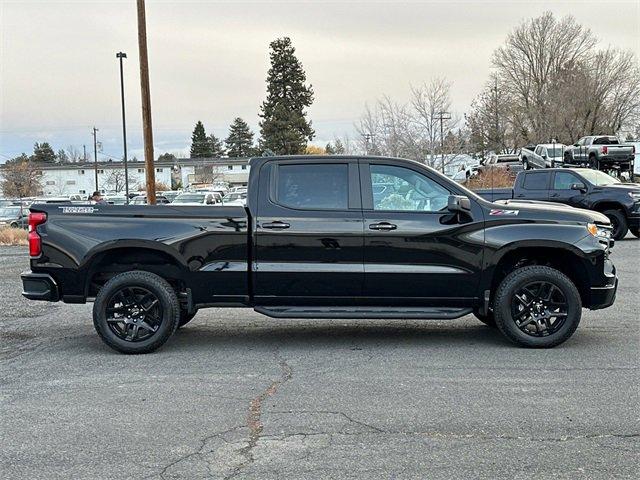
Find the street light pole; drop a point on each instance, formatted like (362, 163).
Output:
(121, 55)
(95, 156)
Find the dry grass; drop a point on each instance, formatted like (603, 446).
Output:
(492, 178)
(13, 236)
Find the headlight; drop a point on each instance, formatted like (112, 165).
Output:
(597, 231)
(635, 196)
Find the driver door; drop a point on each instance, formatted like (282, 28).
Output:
(415, 252)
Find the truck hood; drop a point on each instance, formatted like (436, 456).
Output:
(553, 212)
(621, 187)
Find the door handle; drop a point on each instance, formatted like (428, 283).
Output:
(382, 226)
(277, 225)
(520, 195)
(553, 195)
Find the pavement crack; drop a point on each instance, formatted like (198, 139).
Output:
(254, 415)
(334, 412)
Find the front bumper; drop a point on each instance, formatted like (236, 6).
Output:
(603, 296)
(39, 286)
(633, 221)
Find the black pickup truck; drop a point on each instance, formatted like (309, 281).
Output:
(329, 237)
(578, 187)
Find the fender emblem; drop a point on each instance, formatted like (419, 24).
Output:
(498, 211)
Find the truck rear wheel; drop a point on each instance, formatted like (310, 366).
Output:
(136, 312)
(618, 223)
(537, 307)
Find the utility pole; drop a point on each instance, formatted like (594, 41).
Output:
(84, 150)
(95, 156)
(146, 105)
(442, 116)
(121, 55)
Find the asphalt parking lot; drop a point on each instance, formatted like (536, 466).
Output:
(238, 395)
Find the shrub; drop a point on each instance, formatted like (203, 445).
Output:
(13, 236)
(491, 178)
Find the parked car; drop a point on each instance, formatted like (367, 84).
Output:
(582, 188)
(169, 195)
(192, 199)
(544, 155)
(13, 216)
(142, 200)
(116, 199)
(235, 198)
(314, 242)
(507, 161)
(600, 152)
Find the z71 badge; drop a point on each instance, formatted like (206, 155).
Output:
(78, 209)
(499, 211)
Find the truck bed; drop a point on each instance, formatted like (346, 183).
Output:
(211, 241)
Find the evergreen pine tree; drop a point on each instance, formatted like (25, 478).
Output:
(240, 140)
(43, 153)
(216, 146)
(200, 145)
(284, 128)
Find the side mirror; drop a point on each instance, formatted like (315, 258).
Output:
(578, 186)
(458, 203)
(544, 157)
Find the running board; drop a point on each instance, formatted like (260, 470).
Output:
(431, 313)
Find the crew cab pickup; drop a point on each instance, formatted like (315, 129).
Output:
(331, 237)
(600, 152)
(578, 187)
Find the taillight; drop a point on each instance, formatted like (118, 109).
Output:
(35, 242)
(605, 149)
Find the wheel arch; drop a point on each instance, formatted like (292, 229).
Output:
(117, 257)
(562, 256)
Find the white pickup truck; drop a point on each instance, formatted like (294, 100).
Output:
(543, 155)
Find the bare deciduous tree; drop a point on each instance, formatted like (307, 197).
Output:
(20, 179)
(116, 180)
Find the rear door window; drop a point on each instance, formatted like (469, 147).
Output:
(313, 186)
(536, 181)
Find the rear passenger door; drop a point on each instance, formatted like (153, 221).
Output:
(309, 233)
(535, 186)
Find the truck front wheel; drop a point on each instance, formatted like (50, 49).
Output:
(537, 307)
(136, 312)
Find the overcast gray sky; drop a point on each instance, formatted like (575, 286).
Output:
(208, 60)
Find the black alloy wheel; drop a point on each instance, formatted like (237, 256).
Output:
(539, 308)
(134, 314)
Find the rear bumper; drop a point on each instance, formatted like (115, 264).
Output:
(39, 286)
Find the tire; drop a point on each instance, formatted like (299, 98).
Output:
(144, 312)
(14, 225)
(534, 331)
(186, 317)
(593, 162)
(488, 320)
(567, 158)
(635, 231)
(525, 164)
(618, 222)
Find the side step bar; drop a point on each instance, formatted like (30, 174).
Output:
(431, 313)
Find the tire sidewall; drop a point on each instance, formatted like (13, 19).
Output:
(621, 231)
(160, 288)
(519, 278)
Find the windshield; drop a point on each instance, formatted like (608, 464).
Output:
(9, 211)
(189, 198)
(232, 197)
(598, 178)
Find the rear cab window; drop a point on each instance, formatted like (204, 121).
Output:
(536, 181)
(606, 141)
(313, 186)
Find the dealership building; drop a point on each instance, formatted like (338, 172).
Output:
(79, 178)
